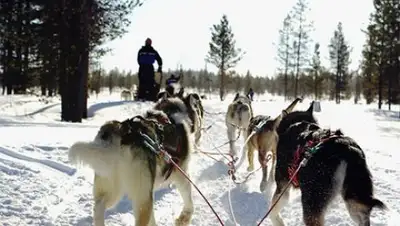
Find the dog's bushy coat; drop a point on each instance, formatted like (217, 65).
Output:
(124, 164)
(265, 140)
(338, 166)
(237, 119)
(189, 106)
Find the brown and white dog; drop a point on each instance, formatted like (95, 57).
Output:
(125, 164)
(259, 138)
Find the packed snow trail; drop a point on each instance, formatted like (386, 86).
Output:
(39, 186)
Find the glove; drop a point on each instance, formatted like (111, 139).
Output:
(159, 70)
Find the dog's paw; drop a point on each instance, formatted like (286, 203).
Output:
(183, 219)
(250, 168)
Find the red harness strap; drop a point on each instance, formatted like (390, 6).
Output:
(164, 121)
(295, 163)
(298, 157)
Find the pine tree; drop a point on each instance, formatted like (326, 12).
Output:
(223, 52)
(380, 63)
(339, 54)
(284, 51)
(386, 18)
(248, 83)
(316, 71)
(358, 87)
(302, 39)
(369, 65)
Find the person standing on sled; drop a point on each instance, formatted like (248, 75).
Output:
(147, 55)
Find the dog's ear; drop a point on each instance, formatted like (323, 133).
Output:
(192, 101)
(236, 97)
(278, 120)
(181, 92)
(311, 108)
(290, 108)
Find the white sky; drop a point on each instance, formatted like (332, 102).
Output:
(180, 30)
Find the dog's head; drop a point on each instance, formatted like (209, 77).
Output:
(133, 129)
(293, 117)
(129, 132)
(160, 116)
(193, 101)
(268, 132)
(301, 130)
(109, 133)
(170, 105)
(240, 104)
(307, 131)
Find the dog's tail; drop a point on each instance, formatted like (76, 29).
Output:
(99, 157)
(358, 183)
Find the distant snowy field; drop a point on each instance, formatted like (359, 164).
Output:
(38, 186)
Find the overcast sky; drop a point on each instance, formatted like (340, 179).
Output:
(180, 30)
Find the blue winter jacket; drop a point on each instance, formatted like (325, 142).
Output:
(147, 55)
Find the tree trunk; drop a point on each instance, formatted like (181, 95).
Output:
(85, 54)
(62, 66)
(222, 85)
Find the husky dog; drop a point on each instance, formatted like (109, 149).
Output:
(189, 106)
(172, 87)
(336, 164)
(196, 113)
(238, 118)
(262, 140)
(280, 125)
(125, 164)
(126, 95)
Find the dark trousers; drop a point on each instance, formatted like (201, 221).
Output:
(146, 82)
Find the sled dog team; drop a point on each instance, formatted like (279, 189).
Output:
(126, 159)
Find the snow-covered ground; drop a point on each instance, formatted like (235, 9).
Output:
(39, 187)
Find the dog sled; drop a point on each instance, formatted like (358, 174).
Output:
(158, 77)
(156, 87)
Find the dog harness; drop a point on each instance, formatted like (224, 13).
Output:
(168, 149)
(304, 151)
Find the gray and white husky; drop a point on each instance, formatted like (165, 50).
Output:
(190, 106)
(125, 164)
(237, 119)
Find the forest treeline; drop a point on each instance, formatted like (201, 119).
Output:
(56, 45)
(204, 82)
(378, 74)
(52, 43)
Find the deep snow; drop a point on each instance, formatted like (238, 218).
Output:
(39, 187)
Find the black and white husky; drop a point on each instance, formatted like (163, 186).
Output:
(336, 165)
